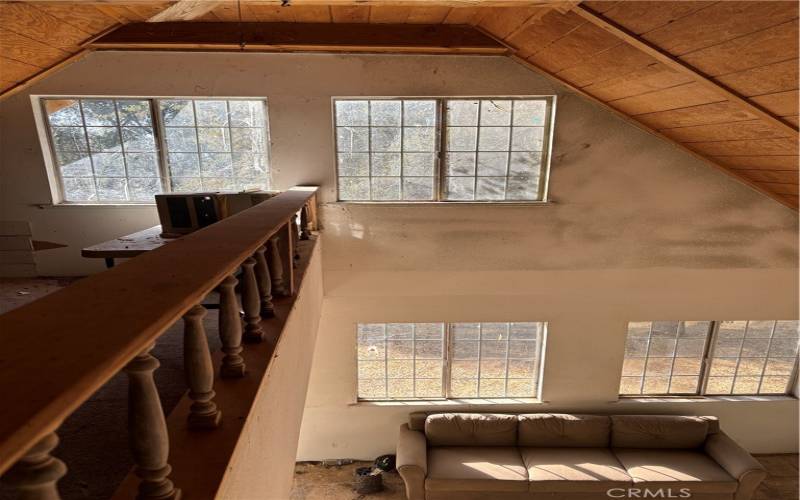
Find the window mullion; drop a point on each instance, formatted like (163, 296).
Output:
(766, 356)
(161, 136)
(89, 152)
(447, 362)
(708, 355)
(442, 154)
(508, 348)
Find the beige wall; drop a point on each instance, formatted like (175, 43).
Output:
(262, 464)
(638, 230)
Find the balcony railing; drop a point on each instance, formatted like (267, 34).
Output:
(57, 351)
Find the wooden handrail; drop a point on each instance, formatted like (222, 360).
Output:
(57, 351)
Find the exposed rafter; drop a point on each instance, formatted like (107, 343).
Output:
(676, 64)
(185, 10)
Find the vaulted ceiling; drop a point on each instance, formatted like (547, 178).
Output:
(717, 78)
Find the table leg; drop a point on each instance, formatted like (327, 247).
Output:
(109, 262)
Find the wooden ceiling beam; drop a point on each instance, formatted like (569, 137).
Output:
(406, 38)
(676, 64)
(185, 10)
(344, 3)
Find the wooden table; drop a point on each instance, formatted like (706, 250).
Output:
(127, 246)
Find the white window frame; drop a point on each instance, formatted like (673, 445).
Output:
(447, 359)
(441, 131)
(705, 369)
(55, 182)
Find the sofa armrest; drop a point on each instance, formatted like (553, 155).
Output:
(737, 462)
(412, 461)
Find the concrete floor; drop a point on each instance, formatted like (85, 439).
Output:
(313, 481)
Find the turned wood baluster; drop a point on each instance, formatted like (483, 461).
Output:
(304, 234)
(35, 476)
(230, 330)
(295, 238)
(264, 283)
(251, 301)
(276, 267)
(199, 371)
(147, 430)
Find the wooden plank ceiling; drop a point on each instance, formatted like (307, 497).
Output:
(718, 78)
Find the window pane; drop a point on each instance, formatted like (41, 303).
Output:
(400, 360)
(664, 357)
(495, 360)
(386, 149)
(101, 145)
(753, 357)
(497, 142)
(230, 137)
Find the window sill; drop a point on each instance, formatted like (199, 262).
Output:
(452, 402)
(93, 205)
(449, 203)
(700, 399)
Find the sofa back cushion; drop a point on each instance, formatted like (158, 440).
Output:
(552, 430)
(471, 429)
(658, 431)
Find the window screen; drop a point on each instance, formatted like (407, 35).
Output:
(710, 357)
(215, 144)
(491, 360)
(664, 357)
(456, 360)
(494, 149)
(386, 149)
(753, 357)
(126, 150)
(400, 360)
(455, 150)
(104, 149)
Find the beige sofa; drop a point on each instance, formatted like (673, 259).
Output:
(471, 456)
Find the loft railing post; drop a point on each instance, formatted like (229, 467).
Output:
(294, 238)
(147, 430)
(36, 474)
(264, 283)
(304, 234)
(230, 330)
(251, 302)
(276, 267)
(199, 371)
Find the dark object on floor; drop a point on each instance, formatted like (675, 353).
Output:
(386, 463)
(368, 480)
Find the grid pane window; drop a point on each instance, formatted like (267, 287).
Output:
(104, 149)
(753, 357)
(215, 144)
(664, 357)
(494, 149)
(386, 149)
(119, 150)
(494, 360)
(480, 360)
(456, 150)
(710, 357)
(400, 360)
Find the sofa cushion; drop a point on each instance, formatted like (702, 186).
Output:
(559, 431)
(658, 431)
(475, 468)
(471, 429)
(563, 470)
(676, 469)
